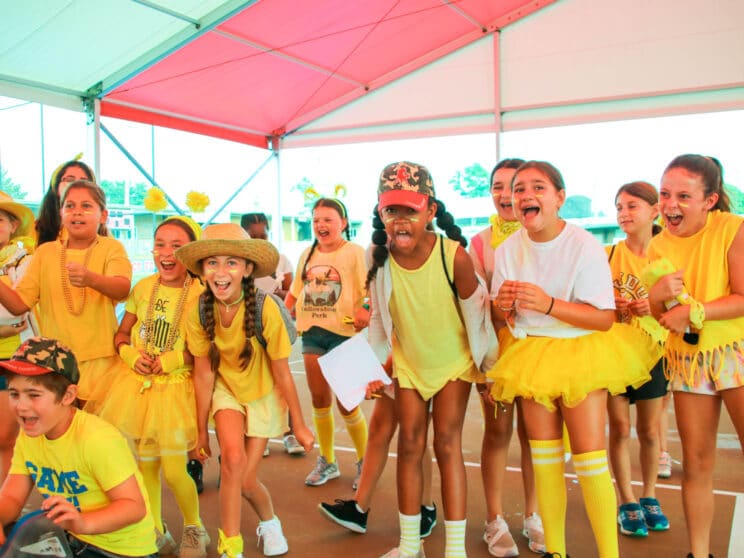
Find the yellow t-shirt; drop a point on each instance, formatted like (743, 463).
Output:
(704, 259)
(626, 270)
(333, 288)
(427, 355)
(255, 380)
(91, 334)
(164, 309)
(89, 459)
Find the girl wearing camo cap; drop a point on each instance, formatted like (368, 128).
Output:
(417, 274)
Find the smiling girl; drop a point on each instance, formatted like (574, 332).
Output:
(76, 282)
(153, 402)
(705, 244)
(637, 205)
(329, 296)
(552, 286)
(247, 387)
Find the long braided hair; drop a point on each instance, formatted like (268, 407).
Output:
(340, 208)
(249, 323)
(444, 220)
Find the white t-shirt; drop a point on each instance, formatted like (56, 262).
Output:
(271, 284)
(573, 267)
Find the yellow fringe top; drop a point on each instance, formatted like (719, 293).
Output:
(704, 257)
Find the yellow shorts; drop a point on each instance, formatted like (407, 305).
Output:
(264, 418)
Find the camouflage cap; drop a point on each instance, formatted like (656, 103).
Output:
(405, 183)
(41, 355)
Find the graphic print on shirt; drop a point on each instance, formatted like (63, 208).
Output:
(160, 326)
(629, 286)
(50, 482)
(322, 290)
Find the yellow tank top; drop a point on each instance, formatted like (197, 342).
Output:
(704, 257)
(430, 345)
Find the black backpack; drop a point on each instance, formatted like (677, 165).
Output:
(260, 299)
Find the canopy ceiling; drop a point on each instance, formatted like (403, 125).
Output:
(330, 71)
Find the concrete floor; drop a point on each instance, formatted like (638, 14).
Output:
(312, 536)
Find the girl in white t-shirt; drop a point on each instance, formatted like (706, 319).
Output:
(552, 286)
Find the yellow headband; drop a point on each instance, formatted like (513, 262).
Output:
(193, 225)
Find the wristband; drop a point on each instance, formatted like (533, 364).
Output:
(128, 354)
(550, 308)
(171, 361)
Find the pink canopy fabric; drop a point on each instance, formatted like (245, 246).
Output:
(277, 65)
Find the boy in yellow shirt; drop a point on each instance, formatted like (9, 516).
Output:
(80, 464)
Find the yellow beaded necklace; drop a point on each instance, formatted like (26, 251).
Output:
(150, 322)
(65, 278)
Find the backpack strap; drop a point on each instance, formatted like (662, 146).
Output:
(444, 265)
(258, 319)
(612, 251)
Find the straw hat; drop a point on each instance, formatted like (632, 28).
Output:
(24, 215)
(229, 239)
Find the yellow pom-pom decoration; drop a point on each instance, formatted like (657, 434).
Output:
(197, 201)
(339, 191)
(311, 194)
(155, 200)
(657, 269)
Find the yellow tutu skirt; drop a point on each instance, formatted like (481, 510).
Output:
(96, 376)
(548, 368)
(157, 414)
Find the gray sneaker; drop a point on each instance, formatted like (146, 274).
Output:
(164, 541)
(292, 446)
(194, 542)
(322, 473)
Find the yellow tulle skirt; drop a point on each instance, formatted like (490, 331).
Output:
(546, 369)
(96, 376)
(157, 417)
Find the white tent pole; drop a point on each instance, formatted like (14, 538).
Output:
(277, 218)
(94, 136)
(497, 92)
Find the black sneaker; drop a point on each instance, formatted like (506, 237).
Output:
(196, 472)
(428, 520)
(346, 514)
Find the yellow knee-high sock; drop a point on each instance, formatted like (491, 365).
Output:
(150, 469)
(356, 426)
(566, 441)
(182, 487)
(599, 499)
(550, 486)
(325, 432)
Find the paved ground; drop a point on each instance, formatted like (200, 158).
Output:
(311, 535)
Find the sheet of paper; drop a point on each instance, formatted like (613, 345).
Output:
(349, 368)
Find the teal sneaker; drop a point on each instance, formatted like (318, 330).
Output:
(631, 520)
(655, 518)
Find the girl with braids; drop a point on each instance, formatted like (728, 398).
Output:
(153, 402)
(49, 225)
(246, 387)
(499, 419)
(329, 296)
(417, 274)
(704, 245)
(637, 206)
(76, 281)
(552, 286)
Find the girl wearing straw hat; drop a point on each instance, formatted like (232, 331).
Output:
(16, 222)
(245, 386)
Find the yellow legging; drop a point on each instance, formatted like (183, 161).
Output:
(178, 480)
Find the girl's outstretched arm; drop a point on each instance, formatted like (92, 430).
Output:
(283, 379)
(203, 386)
(12, 302)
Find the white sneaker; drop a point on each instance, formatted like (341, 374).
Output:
(267, 451)
(238, 555)
(194, 542)
(533, 530)
(292, 446)
(164, 542)
(665, 465)
(499, 540)
(274, 541)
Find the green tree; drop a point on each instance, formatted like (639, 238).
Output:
(576, 207)
(8, 186)
(115, 192)
(736, 197)
(471, 182)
